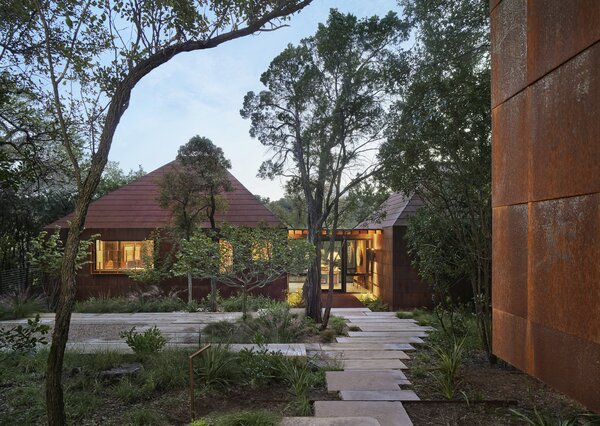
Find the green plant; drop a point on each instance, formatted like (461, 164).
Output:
(295, 299)
(147, 343)
(241, 418)
(146, 417)
(373, 303)
(301, 380)
(259, 368)
(422, 316)
(15, 307)
(354, 328)
(449, 360)
(327, 335)
(217, 367)
(338, 325)
(24, 339)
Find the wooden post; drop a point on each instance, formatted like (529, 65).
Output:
(191, 372)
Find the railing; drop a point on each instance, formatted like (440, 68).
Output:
(192, 389)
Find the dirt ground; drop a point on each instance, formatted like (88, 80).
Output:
(485, 395)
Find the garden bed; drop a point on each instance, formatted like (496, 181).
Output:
(484, 394)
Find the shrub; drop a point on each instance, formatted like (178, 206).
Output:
(146, 417)
(373, 303)
(295, 299)
(422, 316)
(217, 367)
(24, 339)
(147, 343)
(166, 370)
(235, 303)
(20, 304)
(259, 368)
(449, 360)
(327, 335)
(273, 324)
(338, 325)
(354, 328)
(301, 380)
(241, 418)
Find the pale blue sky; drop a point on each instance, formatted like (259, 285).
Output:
(201, 93)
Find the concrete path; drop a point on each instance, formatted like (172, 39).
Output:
(372, 384)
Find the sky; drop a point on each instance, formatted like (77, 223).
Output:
(201, 93)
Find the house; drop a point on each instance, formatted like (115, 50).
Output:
(125, 219)
(371, 257)
(546, 191)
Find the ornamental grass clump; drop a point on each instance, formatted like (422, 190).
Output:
(144, 344)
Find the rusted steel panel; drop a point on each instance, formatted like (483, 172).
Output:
(565, 125)
(557, 337)
(564, 282)
(510, 151)
(567, 363)
(510, 339)
(509, 257)
(509, 49)
(494, 3)
(557, 31)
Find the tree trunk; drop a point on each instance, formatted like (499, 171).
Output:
(189, 282)
(312, 286)
(55, 409)
(244, 304)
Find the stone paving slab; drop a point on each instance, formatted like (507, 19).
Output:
(365, 346)
(399, 395)
(329, 421)
(385, 318)
(366, 354)
(386, 412)
(365, 380)
(394, 333)
(373, 364)
(379, 340)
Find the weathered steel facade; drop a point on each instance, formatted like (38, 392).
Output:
(546, 191)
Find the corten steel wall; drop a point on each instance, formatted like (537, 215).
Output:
(110, 284)
(546, 191)
(409, 290)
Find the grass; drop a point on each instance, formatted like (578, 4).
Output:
(16, 308)
(103, 304)
(241, 418)
(274, 324)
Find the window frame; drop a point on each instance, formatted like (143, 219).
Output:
(120, 251)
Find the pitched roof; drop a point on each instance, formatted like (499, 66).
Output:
(135, 205)
(394, 211)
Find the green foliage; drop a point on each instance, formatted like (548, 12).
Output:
(373, 303)
(449, 360)
(24, 339)
(217, 367)
(156, 266)
(241, 418)
(423, 317)
(235, 303)
(295, 299)
(113, 177)
(539, 419)
(338, 325)
(243, 258)
(146, 417)
(144, 344)
(300, 379)
(15, 307)
(439, 146)
(275, 324)
(104, 304)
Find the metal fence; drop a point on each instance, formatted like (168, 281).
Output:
(17, 279)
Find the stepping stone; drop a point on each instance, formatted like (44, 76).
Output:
(386, 412)
(329, 421)
(373, 364)
(362, 346)
(365, 380)
(379, 340)
(366, 354)
(387, 333)
(399, 395)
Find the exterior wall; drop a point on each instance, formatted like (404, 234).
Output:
(546, 191)
(409, 290)
(118, 284)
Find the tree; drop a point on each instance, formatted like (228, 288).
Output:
(194, 189)
(244, 258)
(81, 60)
(439, 146)
(323, 113)
(114, 177)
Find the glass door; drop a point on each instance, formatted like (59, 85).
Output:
(337, 266)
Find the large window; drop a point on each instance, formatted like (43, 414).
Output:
(114, 256)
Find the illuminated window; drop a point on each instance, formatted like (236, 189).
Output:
(114, 256)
